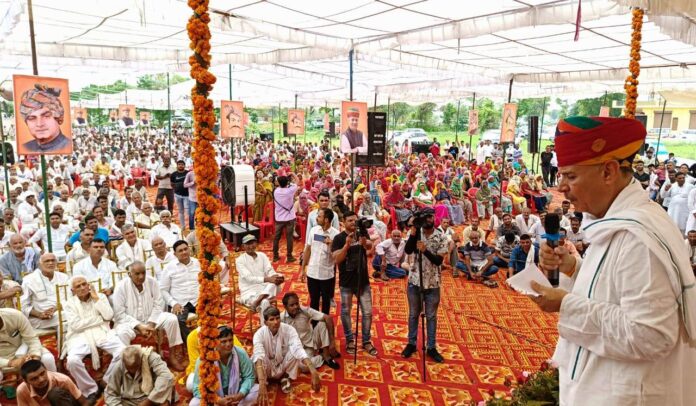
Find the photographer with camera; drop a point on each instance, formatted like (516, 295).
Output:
(431, 244)
(349, 250)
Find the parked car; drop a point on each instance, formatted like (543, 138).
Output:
(687, 135)
(493, 135)
(655, 132)
(410, 134)
(316, 123)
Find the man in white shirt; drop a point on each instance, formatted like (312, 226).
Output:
(537, 229)
(28, 212)
(167, 230)
(526, 220)
(87, 315)
(4, 238)
(86, 202)
(179, 285)
(39, 293)
(278, 354)
(259, 283)
(160, 258)
(132, 248)
(139, 310)
(95, 266)
(324, 199)
(390, 258)
(318, 263)
(134, 208)
(60, 234)
(70, 208)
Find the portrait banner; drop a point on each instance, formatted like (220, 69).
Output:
(126, 115)
(353, 127)
(473, 121)
(79, 115)
(326, 123)
(296, 122)
(42, 115)
(145, 118)
(113, 116)
(604, 111)
(231, 119)
(509, 124)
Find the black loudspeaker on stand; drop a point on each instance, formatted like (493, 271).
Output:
(533, 146)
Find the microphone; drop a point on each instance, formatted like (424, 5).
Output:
(552, 225)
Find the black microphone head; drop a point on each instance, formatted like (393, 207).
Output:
(552, 223)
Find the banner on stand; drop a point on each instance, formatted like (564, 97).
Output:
(296, 122)
(232, 119)
(353, 127)
(509, 126)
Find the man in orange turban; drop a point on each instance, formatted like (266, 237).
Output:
(627, 309)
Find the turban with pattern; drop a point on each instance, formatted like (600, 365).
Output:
(42, 96)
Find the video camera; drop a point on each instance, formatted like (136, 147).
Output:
(362, 225)
(420, 216)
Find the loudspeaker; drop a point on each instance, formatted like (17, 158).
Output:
(9, 151)
(285, 129)
(332, 127)
(233, 179)
(533, 146)
(418, 147)
(266, 136)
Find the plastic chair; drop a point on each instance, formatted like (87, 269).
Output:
(267, 223)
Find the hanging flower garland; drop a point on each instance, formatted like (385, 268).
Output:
(631, 84)
(206, 172)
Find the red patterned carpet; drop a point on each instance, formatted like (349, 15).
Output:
(485, 335)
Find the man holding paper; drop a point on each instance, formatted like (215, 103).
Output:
(627, 322)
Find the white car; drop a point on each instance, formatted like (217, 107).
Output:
(410, 134)
(493, 135)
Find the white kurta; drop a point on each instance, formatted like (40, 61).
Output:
(158, 264)
(128, 254)
(621, 339)
(252, 272)
(170, 234)
(691, 208)
(281, 353)
(39, 293)
(678, 208)
(102, 271)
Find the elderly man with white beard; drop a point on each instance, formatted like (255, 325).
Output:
(139, 309)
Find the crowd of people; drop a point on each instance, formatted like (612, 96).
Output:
(128, 260)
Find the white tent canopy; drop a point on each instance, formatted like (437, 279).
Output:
(406, 50)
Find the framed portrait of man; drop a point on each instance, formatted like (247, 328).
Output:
(296, 122)
(145, 117)
(113, 116)
(79, 116)
(42, 115)
(126, 115)
(353, 127)
(509, 125)
(232, 119)
(473, 121)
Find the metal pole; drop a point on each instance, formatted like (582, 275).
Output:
(352, 160)
(350, 73)
(35, 66)
(659, 133)
(456, 123)
(169, 112)
(471, 146)
(502, 173)
(604, 100)
(4, 157)
(543, 113)
(229, 70)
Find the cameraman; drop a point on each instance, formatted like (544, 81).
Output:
(432, 244)
(350, 253)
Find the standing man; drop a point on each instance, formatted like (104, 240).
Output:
(546, 157)
(350, 254)
(324, 200)
(318, 264)
(181, 192)
(284, 202)
(164, 189)
(627, 323)
(432, 245)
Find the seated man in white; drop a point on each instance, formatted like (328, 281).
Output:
(39, 293)
(80, 250)
(139, 310)
(235, 365)
(278, 354)
(160, 258)
(18, 342)
(146, 220)
(96, 266)
(259, 283)
(87, 314)
(29, 212)
(141, 378)
(169, 231)
(60, 234)
(526, 220)
(132, 248)
(179, 285)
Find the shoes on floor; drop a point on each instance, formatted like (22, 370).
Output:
(291, 260)
(285, 385)
(432, 353)
(408, 351)
(332, 364)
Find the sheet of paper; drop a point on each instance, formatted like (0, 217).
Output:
(522, 282)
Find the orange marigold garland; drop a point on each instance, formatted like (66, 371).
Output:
(631, 84)
(206, 172)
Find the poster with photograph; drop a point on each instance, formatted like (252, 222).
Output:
(79, 115)
(42, 119)
(473, 121)
(509, 123)
(296, 122)
(604, 111)
(353, 127)
(113, 116)
(126, 115)
(231, 119)
(327, 126)
(145, 118)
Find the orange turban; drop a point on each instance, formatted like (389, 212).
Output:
(594, 140)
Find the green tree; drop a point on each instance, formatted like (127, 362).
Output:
(489, 115)
(531, 107)
(424, 115)
(158, 81)
(591, 106)
(399, 112)
(449, 115)
(563, 109)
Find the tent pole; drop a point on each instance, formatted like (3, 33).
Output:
(35, 66)
(543, 113)
(4, 157)
(289, 122)
(502, 173)
(169, 113)
(471, 135)
(350, 73)
(229, 71)
(659, 133)
(456, 123)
